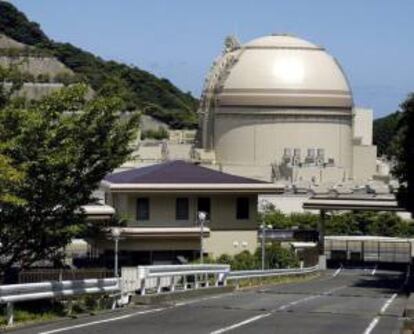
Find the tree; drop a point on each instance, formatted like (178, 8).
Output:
(66, 145)
(404, 168)
(10, 177)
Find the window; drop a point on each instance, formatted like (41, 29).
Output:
(242, 208)
(181, 208)
(204, 205)
(143, 212)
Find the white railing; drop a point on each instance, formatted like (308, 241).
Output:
(155, 279)
(246, 274)
(10, 294)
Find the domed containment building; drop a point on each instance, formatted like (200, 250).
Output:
(281, 108)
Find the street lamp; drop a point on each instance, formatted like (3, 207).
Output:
(202, 216)
(116, 236)
(263, 227)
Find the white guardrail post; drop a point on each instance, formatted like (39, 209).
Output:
(14, 293)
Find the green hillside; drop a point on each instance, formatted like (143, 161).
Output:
(385, 128)
(139, 89)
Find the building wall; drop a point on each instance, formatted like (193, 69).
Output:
(253, 138)
(227, 234)
(162, 210)
(365, 162)
(363, 125)
(231, 242)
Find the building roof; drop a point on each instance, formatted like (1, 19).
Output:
(284, 71)
(181, 175)
(177, 171)
(367, 202)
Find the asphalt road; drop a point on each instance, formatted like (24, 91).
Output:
(346, 301)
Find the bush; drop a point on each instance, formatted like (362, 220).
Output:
(276, 257)
(159, 134)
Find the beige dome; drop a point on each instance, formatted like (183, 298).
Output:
(284, 71)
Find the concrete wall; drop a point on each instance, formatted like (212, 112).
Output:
(227, 234)
(255, 137)
(363, 126)
(365, 162)
(231, 242)
(162, 210)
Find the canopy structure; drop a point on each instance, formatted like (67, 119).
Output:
(366, 202)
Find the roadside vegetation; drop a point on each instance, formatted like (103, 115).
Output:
(348, 223)
(49, 310)
(276, 257)
(53, 154)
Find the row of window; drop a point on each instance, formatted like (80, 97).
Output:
(182, 208)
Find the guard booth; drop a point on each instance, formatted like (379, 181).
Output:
(351, 248)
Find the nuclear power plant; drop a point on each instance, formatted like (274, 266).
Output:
(280, 108)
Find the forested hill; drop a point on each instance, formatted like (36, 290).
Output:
(139, 89)
(385, 129)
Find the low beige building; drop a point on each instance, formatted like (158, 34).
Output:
(159, 205)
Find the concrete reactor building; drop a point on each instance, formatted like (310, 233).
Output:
(280, 108)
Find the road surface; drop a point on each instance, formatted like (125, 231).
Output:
(344, 301)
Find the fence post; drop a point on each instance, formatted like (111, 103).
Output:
(172, 284)
(143, 287)
(10, 314)
(185, 282)
(158, 284)
(196, 282)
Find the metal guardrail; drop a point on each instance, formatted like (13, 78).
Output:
(156, 278)
(10, 294)
(246, 274)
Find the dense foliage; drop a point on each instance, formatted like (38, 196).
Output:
(159, 134)
(63, 155)
(404, 155)
(348, 223)
(136, 87)
(276, 257)
(385, 130)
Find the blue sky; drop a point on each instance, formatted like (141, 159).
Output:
(178, 39)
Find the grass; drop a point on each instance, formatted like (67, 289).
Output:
(48, 310)
(256, 282)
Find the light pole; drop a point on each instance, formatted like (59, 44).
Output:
(263, 227)
(202, 219)
(116, 235)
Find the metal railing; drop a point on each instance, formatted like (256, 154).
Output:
(156, 278)
(246, 274)
(10, 294)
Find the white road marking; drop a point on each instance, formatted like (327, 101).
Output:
(240, 324)
(202, 299)
(280, 308)
(388, 303)
(384, 307)
(336, 273)
(97, 322)
(374, 271)
(372, 325)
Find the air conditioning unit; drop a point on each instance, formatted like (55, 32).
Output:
(296, 157)
(287, 155)
(310, 157)
(320, 156)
